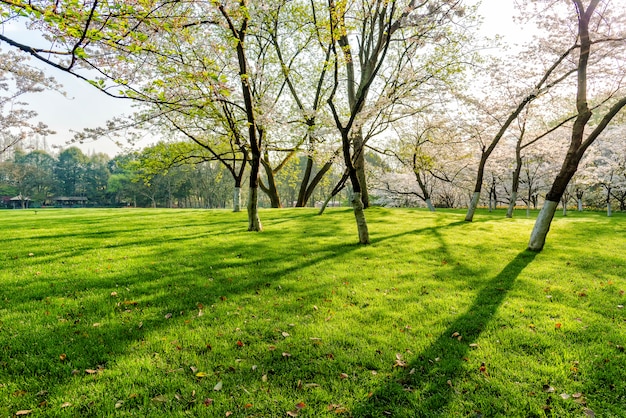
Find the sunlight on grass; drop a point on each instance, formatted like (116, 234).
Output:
(184, 313)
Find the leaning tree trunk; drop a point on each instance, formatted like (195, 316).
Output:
(542, 225)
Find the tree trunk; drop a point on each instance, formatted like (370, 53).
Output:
(359, 215)
(472, 206)
(580, 205)
(542, 225)
(271, 190)
(429, 204)
(237, 199)
(254, 223)
(609, 211)
(359, 166)
(306, 190)
(509, 211)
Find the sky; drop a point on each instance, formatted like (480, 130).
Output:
(84, 106)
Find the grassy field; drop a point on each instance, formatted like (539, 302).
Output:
(184, 313)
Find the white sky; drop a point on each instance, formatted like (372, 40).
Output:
(84, 106)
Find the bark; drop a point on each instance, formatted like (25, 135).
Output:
(542, 225)
(580, 205)
(254, 223)
(359, 215)
(237, 199)
(308, 187)
(609, 211)
(429, 204)
(270, 190)
(472, 206)
(509, 211)
(359, 166)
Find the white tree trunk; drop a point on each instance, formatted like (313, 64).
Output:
(429, 204)
(509, 211)
(237, 199)
(472, 207)
(564, 209)
(542, 226)
(254, 223)
(580, 205)
(609, 211)
(359, 215)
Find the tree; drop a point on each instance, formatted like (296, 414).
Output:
(70, 171)
(595, 29)
(16, 120)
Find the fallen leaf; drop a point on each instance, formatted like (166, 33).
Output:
(91, 371)
(248, 406)
(311, 385)
(65, 404)
(344, 375)
(218, 386)
(63, 357)
(207, 401)
(473, 345)
(285, 334)
(97, 324)
(113, 294)
(589, 413)
(168, 316)
(264, 378)
(23, 412)
(19, 393)
(119, 404)
(193, 369)
(228, 413)
(159, 399)
(293, 413)
(454, 335)
(557, 325)
(565, 396)
(577, 395)
(300, 405)
(202, 374)
(548, 389)
(240, 344)
(285, 354)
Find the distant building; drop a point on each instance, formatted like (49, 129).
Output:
(69, 201)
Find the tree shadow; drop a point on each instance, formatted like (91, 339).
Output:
(415, 390)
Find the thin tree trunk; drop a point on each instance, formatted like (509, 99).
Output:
(359, 166)
(609, 211)
(509, 211)
(237, 199)
(580, 205)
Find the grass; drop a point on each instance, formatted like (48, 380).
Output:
(184, 313)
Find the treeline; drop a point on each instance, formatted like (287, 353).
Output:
(143, 178)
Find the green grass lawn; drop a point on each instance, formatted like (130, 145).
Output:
(184, 313)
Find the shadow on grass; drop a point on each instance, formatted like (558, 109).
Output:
(417, 389)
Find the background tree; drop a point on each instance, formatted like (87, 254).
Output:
(595, 30)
